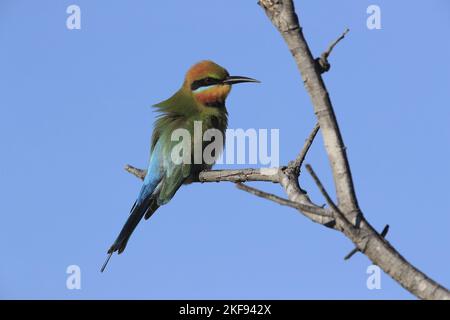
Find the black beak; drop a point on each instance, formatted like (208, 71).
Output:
(238, 79)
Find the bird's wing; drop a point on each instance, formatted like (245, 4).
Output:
(175, 172)
(155, 173)
(146, 202)
(173, 179)
(164, 177)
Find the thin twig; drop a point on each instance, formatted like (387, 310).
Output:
(282, 201)
(327, 53)
(351, 253)
(135, 171)
(266, 195)
(323, 60)
(297, 163)
(297, 195)
(355, 250)
(326, 195)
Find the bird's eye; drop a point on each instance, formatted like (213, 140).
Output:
(208, 81)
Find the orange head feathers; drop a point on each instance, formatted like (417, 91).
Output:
(210, 83)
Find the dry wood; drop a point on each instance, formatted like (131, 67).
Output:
(345, 216)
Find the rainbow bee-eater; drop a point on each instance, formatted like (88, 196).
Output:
(201, 99)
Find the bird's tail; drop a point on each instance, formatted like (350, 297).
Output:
(145, 208)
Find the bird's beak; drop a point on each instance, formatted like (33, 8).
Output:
(238, 79)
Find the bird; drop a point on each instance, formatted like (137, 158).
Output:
(201, 98)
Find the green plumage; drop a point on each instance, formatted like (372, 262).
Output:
(171, 118)
(200, 99)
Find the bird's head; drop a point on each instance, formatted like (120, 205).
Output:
(210, 84)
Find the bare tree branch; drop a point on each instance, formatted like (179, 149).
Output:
(266, 195)
(367, 240)
(351, 253)
(323, 60)
(290, 185)
(284, 202)
(241, 175)
(324, 192)
(297, 163)
(346, 216)
(283, 16)
(135, 171)
(304, 205)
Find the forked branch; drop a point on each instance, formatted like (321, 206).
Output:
(345, 216)
(283, 16)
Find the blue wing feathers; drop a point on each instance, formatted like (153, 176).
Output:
(154, 174)
(145, 204)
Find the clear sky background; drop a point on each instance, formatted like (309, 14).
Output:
(75, 108)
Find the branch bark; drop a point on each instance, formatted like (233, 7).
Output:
(241, 175)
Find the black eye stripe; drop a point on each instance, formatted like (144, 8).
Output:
(204, 83)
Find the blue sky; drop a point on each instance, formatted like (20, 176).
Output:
(75, 108)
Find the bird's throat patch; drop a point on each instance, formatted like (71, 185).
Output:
(212, 95)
